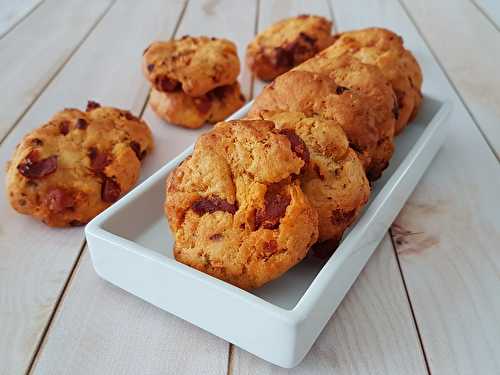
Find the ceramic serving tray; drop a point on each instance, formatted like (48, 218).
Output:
(131, 247)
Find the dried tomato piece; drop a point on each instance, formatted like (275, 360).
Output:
(31, 167)
(91, 105)
(64, 127)
(212, 204)
(275, 204)
(81, 124)
(298, 145)
(166, 84)
(98, 160)
(110, 190)
(57, 200)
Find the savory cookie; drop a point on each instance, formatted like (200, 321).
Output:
(77, 164)
(369, 82)
(333, 180)
(286, 44)
(194, 64)
(235, 206)
(318, 94)
(385, 49)
(181, 109)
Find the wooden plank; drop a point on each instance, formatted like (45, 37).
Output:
(36, 260)
(104, 330)
(491, 10)
(447, 235)
(32, 54)
(378, 296)
(171, 346)
(271, 11)
(372, 331)
(475, 72)
(13, 12)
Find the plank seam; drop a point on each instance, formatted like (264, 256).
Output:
(74, 268)
(452, 84)
(58, 70)
(332, 15)
(485, 14)
(230, 359)
(20, 20)
(62, 293)
(420, 340)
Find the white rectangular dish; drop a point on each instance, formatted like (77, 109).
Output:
(131, 247)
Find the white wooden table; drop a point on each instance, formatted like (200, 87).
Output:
(427, 302)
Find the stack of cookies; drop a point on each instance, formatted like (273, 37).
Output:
(193, 80)
(258, 193)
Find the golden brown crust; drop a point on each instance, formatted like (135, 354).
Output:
(333, 180)
(181, 109)
(235, 207)
(385, 49)
(318, 94)
(194, 64)
(369, 82)
(77, 164)
(286, 44)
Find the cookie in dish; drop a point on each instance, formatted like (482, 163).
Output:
(286, 44)
(235, 206)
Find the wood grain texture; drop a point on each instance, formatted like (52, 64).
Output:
(372, 331)
(171, 346)
(470, 54)
(32, 53)
(37, 260)
(13, 12)
(103, 330)
(448, 233)
(271, 11)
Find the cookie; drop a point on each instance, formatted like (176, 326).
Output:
(77, 164)
(184, 110)
(385, 49)
(286, 44)
(333, 180)
(235, 206)
(195, 65)
(318, 94)
(368, 81)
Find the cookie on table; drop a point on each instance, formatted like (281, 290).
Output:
(235, 206)
(184, 110)
(195, 65)
(318, 94)
(333, 180)
(286, 44)
(385, 49)
(368, 81)
(77, 164)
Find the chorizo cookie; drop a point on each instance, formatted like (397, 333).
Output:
(235, 206)
(318, 94)
(195, 65)
(369, 82)
(184, 110)
(385, 49)
(334, 180)
(286, 44)
(77, 164)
